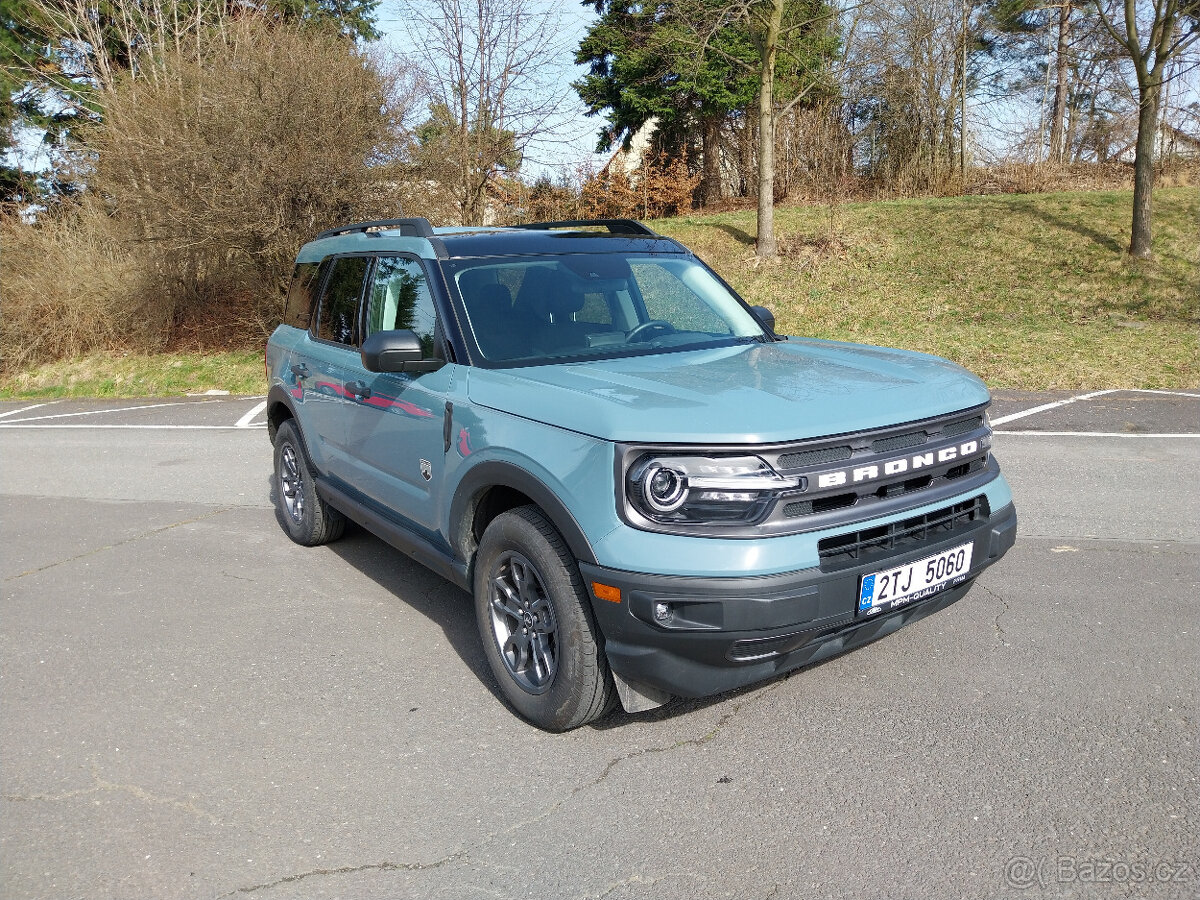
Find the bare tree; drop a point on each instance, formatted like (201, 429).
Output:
(1058, 142)
(1171, 27)
(793, 46)
(490, 65)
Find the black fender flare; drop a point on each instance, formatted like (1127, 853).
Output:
(278, 396)
(496, 473)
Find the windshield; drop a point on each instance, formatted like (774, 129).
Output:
(529, 309)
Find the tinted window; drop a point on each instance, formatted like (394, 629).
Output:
(339, 301)
(400, 298)
(301, 297)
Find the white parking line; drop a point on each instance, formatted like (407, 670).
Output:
(6, 425)
(1048, 406)
(1106, 434)
(1012, 417)
(244, 421)
(97, 412)
(1165, 393)
(13, 412)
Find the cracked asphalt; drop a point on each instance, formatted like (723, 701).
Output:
(195, 707)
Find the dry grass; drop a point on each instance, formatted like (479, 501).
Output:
(1029, 291)
(140, 375)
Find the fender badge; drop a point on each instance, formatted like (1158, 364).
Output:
(426, 469)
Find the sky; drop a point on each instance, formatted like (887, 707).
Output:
(571, 144)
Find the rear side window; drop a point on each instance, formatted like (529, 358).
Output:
(339, 300)
(302, 295)
(595, 309)
(400, 298)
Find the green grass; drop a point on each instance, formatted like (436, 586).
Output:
(1029, 291)
(140, 375)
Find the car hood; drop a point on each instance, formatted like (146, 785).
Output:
(751, 394)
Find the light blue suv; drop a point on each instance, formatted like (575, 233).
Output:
(647, 490)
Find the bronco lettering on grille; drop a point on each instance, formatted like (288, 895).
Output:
(913, 462)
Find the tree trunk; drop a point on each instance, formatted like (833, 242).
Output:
(710, 184)
(765, 247)
(948, 123)
(1057, 145)
(1149, 63)
(745, 156)
(1140, 241)
(962, 100)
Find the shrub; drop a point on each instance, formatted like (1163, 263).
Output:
(69, 289)
(244, 144)
(660, 186)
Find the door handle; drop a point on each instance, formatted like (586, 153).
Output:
(300, 370)
(358, 389)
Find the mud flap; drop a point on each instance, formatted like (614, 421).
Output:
(638, 697)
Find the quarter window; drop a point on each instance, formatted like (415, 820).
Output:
(400, 298)
(297, 312)
(339, 301)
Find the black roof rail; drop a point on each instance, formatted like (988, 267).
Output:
(415, 227)
(615, 226)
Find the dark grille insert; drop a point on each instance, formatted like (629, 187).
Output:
(965, 469)
(911, 532)
(899, 442)
(814, 457)
(904, 487)
(962, 426)
(820, 505)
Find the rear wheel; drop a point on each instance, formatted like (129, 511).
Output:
(306, 518)
(536, 623)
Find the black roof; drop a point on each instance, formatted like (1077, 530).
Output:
(518, 241)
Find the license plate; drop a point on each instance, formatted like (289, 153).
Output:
(890, 588)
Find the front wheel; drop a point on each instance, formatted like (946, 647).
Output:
(536, 623)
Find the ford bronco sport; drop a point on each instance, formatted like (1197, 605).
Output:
(647, 490)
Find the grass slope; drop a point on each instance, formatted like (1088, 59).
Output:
(1029, 291)
(140, 375)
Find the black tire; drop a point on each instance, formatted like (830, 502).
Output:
(541, 641)
(307, 519)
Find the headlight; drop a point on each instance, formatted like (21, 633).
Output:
(703, 489)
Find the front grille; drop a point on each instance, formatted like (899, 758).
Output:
(885, 540)
(903, 441)
(797, 508)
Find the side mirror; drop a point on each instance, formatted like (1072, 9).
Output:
(388, 351)
(765, 317)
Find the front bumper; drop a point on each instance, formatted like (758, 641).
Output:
(728, 632)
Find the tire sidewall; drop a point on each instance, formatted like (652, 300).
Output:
(555, 709)
(301, 532)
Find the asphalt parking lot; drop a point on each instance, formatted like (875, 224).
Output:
(193, 706)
